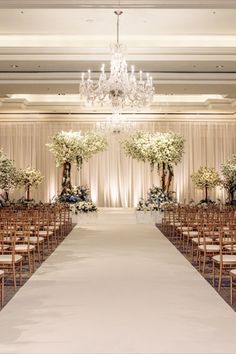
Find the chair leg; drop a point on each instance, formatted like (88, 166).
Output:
(220, 279)
(204, 264)
(38, 251)
(29, 263)
(231, 290)
(33, 258)
(21, 272)
(213, 274)
(2, 291)
(14, 276)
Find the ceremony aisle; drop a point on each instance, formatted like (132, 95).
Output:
(117, 287)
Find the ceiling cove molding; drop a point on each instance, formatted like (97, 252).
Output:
(74, 77)
(86, 118)
(162, 4)
(29, 53)
(226, 105)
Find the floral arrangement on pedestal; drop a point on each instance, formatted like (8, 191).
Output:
(84, 207)
(206, 178)
(79, 200)
(29, 178)
(228, 170)
(157, 197)
(156, 200)
(8, 175)
(163, 150)
(70, 148)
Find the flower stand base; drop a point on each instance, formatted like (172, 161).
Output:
(85, 218)
(148, 217)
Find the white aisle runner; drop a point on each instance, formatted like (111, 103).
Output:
(117, 288)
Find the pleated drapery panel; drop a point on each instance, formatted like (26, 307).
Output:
(114, 179)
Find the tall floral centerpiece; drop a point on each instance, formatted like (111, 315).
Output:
(161, 149)
(29, 178)
(70, 148)
(206, 178)
(8, 175)
(228, 170)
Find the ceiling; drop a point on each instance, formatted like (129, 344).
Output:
(189, 47)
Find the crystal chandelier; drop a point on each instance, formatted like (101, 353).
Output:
(115, 124)
(120, 89)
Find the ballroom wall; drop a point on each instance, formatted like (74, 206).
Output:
(114, 179)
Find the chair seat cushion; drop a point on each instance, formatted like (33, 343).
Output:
(7, 258)
(233, 272)
(4, 247)
(190, 233)
(23, 248)
(44, 233)
(201, 240)
(9, 239)
(227, 258)
(175, 223)
(210, 248)
(35, 239)
(230, 247)
(184, 228)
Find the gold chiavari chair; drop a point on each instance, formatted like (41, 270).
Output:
(232, 275)
(224, 261)
(2, 288)
(9, 260)
(23, 245)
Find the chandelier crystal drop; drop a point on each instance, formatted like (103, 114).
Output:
(120, 89)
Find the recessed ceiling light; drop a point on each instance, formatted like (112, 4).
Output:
(219, 66)
(14, 66)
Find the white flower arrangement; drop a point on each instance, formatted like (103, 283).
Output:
(83, 207)
(155, 148)
(29, 177)
(206, 177)
(73, 147)
(228, 170)
(8, 174)
(143, 206)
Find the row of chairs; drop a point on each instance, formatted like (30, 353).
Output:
(208, 236)
(27, 235)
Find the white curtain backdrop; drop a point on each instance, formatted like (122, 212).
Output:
(114, 179)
